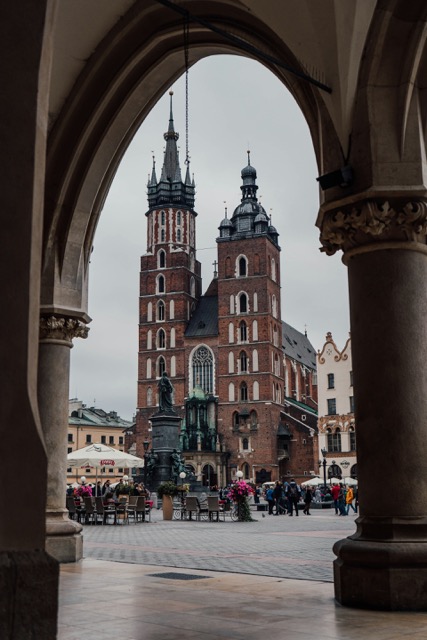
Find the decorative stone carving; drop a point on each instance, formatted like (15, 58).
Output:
(371, 221)
(65, 329)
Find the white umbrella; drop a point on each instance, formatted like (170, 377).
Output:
(101, 455)
(350, 481)
(335, 480)
(313, 482)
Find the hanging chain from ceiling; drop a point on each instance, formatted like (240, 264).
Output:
(186, 47)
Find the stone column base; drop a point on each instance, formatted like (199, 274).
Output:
(388, 574)
(28, 595)
(64, 541)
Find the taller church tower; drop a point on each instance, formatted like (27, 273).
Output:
(170, 282)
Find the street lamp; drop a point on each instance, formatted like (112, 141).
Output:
(239, 475)
(322, 463)
(146, 444)
(182, 475)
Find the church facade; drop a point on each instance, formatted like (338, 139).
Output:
(223, 351)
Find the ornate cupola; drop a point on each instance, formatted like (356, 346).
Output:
(170, 190)
(249, 217)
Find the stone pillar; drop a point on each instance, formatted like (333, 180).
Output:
(63, 537)
(384, 564)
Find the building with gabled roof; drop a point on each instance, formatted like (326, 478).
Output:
(337, 427)
(87, 425)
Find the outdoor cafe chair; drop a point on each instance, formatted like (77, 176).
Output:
(139, 510)
(105, 512)
(89, 510)
(192, 506)
(73, 510)
(133, 500)
(214, 508)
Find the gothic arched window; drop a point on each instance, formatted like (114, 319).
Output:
(243, 331)
(160, 284)
(161, 259)
(243, 303)
(161, 339)
(245, 444)
(160, 310)
(161, 366)
(242, 266)
(253, 419)
(163, 218)
(149, 397)
(202, 367)
(178, 235)
(243, 391)
(243, 358)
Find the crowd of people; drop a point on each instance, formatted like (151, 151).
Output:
(285, 498)
(108, 491)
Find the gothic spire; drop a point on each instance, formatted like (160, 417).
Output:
(171, 166)
(171, 190)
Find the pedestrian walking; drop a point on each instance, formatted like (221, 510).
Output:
(293, 496)
(307, 501)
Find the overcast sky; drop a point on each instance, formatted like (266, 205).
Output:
(235, 104)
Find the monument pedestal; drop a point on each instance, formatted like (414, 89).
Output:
(166, 428)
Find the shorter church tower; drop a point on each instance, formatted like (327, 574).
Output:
(250, 334)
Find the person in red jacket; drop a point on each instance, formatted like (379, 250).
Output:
(335, 492)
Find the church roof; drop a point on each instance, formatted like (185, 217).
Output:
(204, 321)
(297, 346)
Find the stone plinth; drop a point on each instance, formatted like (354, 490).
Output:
(165, 438)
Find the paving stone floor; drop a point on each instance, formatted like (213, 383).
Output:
(270, 579)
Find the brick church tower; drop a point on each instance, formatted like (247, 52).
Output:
(170, 282)
(250, 335)
(223, 351)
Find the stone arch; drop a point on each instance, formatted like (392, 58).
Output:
(114, 94)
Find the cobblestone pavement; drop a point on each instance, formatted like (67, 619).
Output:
(284, 547)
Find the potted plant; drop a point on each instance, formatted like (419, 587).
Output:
(239, 493)
(167, 491)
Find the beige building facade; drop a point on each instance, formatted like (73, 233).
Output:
(91, 425)
(336, 422)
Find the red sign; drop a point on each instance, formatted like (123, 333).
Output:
(107, 463)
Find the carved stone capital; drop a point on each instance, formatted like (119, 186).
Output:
(63, 329)
(374, 221)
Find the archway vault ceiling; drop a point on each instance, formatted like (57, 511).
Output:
(112, 62)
